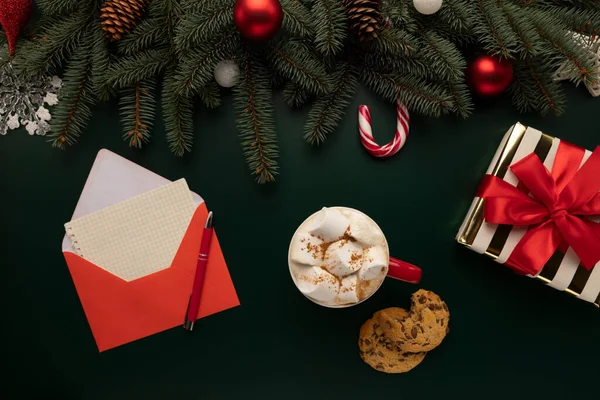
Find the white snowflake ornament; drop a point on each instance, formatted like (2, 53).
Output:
(567, 71)
(22, 101)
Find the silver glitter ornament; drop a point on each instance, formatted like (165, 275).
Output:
(226, 73)
(22, 102)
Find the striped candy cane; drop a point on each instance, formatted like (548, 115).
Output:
(366, 133)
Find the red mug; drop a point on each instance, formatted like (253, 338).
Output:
(396, 269)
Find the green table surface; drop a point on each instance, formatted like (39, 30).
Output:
(511, 337)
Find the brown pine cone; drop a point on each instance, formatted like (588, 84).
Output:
(364, 18)
(121, 16)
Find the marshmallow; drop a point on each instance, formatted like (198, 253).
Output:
(328, 224)
(343, 258)
(318, 284)
(349, 290)
(365, 231)
(306, 249)
(375, 264)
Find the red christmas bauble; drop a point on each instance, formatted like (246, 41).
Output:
(258, 20)
(14, 15)
(489, 76)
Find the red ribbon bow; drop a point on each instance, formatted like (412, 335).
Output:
(554, 210)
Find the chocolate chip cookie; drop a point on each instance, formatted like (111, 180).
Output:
(423, 329)
(383, 355)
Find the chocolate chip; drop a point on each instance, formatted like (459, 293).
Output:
(425, 344)
(388, 324)
(441, 322)
(422, 299)
(399, 342)
(375, 326)
(438, 307)
(402, 327)
(389, 346)
(380, 354)
(392, 365)
(421, 328)
(445, 306)
(414, 332)
(368, 342)
(380, 367)
(431, 307)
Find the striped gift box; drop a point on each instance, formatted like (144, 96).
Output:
(563, 271)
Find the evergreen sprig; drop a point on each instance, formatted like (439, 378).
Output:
(255, 117)
(328, 111)
(294, 61)
(330, 25)
(416, 59)
(77, 98)
(204, 21)
(137, 106)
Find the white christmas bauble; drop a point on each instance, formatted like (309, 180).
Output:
(226, 73)
(428, 7)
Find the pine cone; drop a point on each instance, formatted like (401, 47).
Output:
(364, 18)
(120, 16)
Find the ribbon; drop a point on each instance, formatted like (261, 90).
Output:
(553, 205)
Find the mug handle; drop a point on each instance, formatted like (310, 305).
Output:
(404, 271)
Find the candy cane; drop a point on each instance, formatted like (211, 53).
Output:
(366, 133)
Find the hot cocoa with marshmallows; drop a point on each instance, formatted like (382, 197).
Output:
(338, 257)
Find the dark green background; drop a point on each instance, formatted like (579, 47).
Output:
(510, 337)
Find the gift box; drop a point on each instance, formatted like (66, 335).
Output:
(537, 211)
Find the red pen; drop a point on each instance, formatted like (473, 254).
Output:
(194, 302)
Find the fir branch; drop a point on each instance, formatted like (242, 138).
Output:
(147, 35)
(418, 95)
(138, 67)
(330, 26)
(399, 14)
(458, 14)
(76, 98)
(582, 21)
(53, 8)
(137, 108)
(395, 42)
(210, 95)
(529, 41)
(100, 63)
(203, 22)
(177, 112)
(493, 30)
(296, 19)
(292, 60)
(565, 47)
(255, 120)
(58, 41)
(294, 96)
(196, 68)
(328, 111)
(442, 56)
(534, 88)
(460, 95)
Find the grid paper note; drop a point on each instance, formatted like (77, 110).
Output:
(138, 236)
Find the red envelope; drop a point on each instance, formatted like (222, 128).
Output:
(120, 312)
